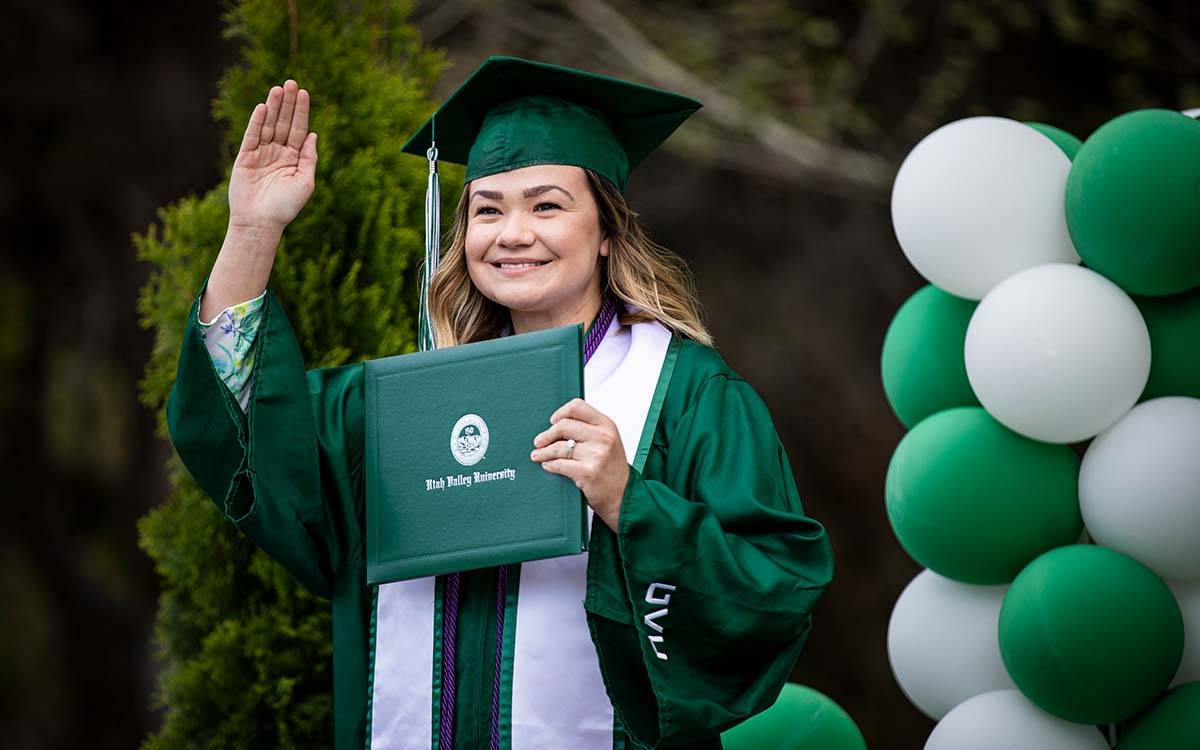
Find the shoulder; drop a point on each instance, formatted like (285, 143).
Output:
(710, 411)
(700, 362)
(699, 368)
(703, 381)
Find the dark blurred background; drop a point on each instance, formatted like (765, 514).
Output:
(777, 193)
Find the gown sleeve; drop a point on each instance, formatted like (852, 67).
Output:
(717, 571)
(286, 470)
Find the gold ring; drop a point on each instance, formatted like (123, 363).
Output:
(570, 447)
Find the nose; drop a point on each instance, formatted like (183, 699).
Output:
(516, 231)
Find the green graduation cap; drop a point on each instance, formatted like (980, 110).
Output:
(513, 113)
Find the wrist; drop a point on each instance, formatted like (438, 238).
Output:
(249, 250)
(611, 511)
(242, 268)
(256, 233)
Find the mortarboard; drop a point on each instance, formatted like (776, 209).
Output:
(513, 113)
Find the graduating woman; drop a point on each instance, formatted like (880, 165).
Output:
(690, 607)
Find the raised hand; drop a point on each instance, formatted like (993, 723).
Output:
(272, 179)
(275, 170)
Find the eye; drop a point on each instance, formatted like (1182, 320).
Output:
(547, 205)
(482, 210)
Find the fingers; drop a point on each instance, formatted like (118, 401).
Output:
(283, 120)
(308, 156)
(579, 409)
(254, 128)
(567, 428)
(572, 470)
(274, 99)
(560, 450)
(299, 132)
(283, 126)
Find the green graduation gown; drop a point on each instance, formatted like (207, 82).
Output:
(696, 608)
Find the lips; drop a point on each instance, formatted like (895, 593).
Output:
(517, 264)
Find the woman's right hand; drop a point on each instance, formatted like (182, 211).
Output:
(272, 179)
(275, 170)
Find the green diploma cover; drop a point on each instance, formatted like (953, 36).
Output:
(449, 482)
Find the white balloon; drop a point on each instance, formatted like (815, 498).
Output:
(1187, 593)
(978, 200)
(943, 643)
(1193, 113)
(1057, 353)
(1139, 486)
(1005, 720)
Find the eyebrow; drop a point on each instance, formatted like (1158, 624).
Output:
(531, 192)
(541, 189)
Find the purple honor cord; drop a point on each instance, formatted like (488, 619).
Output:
(604, 318)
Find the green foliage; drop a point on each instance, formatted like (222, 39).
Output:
(247, 651)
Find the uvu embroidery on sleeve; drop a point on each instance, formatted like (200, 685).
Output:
(657, 594)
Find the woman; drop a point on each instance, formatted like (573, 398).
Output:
(702, 568)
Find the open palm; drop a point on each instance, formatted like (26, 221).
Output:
(275, 169)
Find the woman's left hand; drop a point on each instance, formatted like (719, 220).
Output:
(596, 463)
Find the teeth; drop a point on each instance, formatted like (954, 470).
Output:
(519, 265)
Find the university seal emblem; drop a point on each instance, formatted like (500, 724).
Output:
(469, 440)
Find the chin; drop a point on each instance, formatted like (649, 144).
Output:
(521, 302)
(520, 297)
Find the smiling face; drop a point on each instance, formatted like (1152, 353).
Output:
(533, 244)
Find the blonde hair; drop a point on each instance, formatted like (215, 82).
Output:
(652, 280)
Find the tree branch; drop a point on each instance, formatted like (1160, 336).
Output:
(1174, 36)
(861, 53)
(806, 157)
(444, 17)
(293, 29)
(743, 155)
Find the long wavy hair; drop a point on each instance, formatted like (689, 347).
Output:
(654, 282)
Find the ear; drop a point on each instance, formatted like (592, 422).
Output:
(604, 247)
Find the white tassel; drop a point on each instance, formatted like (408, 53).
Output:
(427, 338)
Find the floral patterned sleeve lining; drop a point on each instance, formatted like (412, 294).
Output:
(230, 341)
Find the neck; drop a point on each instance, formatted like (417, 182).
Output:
(584, 311)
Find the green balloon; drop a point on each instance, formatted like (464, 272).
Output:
(974, 501)
(1090, 635)
(1064, 140)
(923, 367)
(1174, 325)
(1133, 202)
(800, 719)
(1172, 723)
